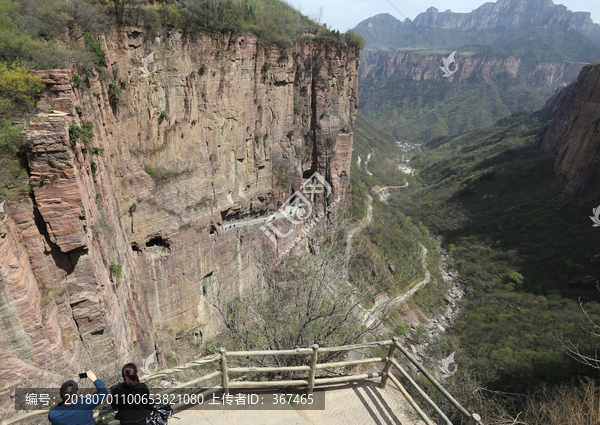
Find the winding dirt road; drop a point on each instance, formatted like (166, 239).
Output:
(360, 227)
(384, 192)
(371, 314)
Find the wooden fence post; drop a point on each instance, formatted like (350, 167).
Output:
(224, 377)
(388, 364)
(313, 368)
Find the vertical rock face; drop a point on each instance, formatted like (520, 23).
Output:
(573, 137)
(215, 132)
(514, 71)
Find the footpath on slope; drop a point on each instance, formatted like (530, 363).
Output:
(384, 192)
(371, 314)
(365, 222)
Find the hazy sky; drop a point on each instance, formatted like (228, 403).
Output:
(346, 14)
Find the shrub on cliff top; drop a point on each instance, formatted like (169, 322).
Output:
(18, 88)
(274, 21)
(27, 30)
(354, 40)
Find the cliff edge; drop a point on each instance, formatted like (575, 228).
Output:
(573, 137)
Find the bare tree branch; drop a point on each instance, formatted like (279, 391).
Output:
(308, 299)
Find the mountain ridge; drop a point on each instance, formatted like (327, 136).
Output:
(491, 24)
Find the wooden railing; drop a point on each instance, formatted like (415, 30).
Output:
(310, 383)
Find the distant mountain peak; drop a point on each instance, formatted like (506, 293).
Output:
(491, 24)
(382, 17)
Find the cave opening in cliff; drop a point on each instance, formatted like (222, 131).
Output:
(135, 248)
(206, 283)
(158, 241)
(307, 174)
(229, 216)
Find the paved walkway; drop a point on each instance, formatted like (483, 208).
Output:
(360, 403)
(252, 222)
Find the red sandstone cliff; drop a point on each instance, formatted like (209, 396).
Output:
(573, 137)
(243, 123)
(515, 71)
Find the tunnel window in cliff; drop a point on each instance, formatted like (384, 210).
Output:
(158, 241)
(207, 283)
(307, 174)
(229, 216)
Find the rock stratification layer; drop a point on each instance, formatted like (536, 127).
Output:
(513, 71)
(128, 234)
(573, 137)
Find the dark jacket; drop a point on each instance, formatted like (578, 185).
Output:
(80, 412)
(123, 398)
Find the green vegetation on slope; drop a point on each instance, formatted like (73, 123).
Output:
(370, 139)
(517, 258)
(27, 32)
(487, 194)
(424, 110)
(392, 237)
(275, 21)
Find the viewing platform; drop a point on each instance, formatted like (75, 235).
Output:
(360, 398)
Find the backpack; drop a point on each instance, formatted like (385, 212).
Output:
(160, 414)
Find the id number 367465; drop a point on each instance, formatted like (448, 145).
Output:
(293, 399)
